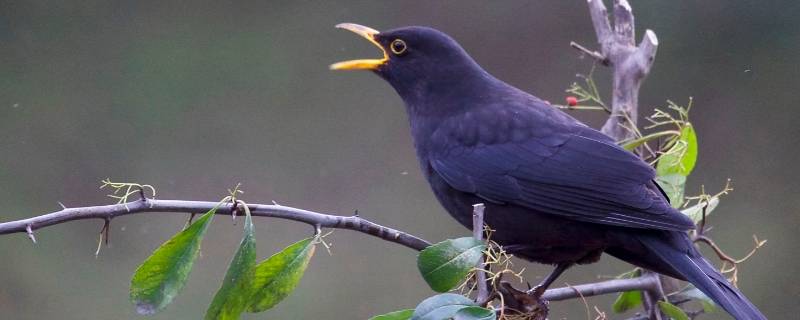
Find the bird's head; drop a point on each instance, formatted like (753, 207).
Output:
(417, 61)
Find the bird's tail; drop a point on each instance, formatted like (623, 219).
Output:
(676, 252)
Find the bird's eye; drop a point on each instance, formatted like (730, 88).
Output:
(398, 46)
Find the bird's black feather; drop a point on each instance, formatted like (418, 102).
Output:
(574, 171)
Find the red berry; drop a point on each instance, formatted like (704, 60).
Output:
(572, 101)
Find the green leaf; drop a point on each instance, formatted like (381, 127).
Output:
(627, 301)
(672, 311)
(445, 264)
(708, 306)
(159, 278)
(695, 212)
(233, 296)
(630, 145)
(692, 292)
(681, 158)
(475, 313)
(674, 185)
(277, 276)
(441, 307)
(404, 314)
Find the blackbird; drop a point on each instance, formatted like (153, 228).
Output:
(556, 191)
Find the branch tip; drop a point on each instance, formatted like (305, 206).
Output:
(599, 57)
(106, 231)
(623, 22)
(651, 37)
(625, 5)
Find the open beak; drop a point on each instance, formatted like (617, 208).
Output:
(361, 64)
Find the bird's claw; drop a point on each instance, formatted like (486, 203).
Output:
(536, 292)
(523, 302)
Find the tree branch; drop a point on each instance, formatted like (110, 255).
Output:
(630, 63)
(315, 219)
(312, 218)
(644, 283)
(477, 232)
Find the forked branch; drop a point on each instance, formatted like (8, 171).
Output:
(630, 63)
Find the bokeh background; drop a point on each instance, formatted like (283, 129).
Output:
(194, 97)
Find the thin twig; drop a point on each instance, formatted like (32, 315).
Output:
(594, 54)
(594, 108)
(599, 288)
(103, 236)
(651, 297)
(729, 264)
(583, 299)
(721, 254)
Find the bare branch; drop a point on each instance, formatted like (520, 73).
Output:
(109, 212)
(477, 233)
(647, 49)
(602, 27)
(650, 297)
(594, 54)
(644, 283)
(630, 63)
(623, 22)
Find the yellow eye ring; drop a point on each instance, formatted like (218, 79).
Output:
(398, 46)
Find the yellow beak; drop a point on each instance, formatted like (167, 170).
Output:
(361, 64)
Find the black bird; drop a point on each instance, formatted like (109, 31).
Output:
(556, 190)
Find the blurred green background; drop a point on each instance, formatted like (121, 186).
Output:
(196, 96)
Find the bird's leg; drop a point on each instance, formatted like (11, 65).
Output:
(539, 289)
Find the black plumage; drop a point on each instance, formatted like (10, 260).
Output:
(556, 190)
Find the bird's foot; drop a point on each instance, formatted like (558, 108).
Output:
(522, 302)
(537, 291)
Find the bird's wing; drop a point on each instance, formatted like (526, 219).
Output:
(579, 174)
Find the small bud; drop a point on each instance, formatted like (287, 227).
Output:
(572, 101)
